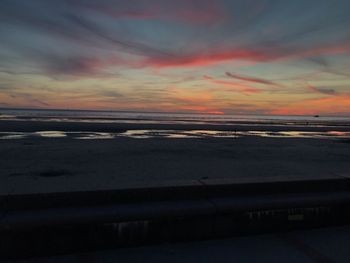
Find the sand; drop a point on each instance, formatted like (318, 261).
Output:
(39, 165)
(32, 126)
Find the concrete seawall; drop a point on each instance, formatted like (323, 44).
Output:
(193, 210)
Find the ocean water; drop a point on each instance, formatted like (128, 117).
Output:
(172, 118)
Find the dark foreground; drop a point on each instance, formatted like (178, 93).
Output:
(62, 195)
(61, 164)
(317, 245)
(39, 225)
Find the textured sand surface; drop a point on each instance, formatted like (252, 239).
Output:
(63, 164)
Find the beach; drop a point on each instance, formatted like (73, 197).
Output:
(72, 186)
(44, 164)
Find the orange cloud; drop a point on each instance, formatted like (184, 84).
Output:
(240, 88)
(331, 105)
(188, 100)
(204, 59)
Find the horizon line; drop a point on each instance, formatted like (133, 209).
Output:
(168, 112)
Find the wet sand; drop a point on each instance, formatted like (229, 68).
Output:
(33, 126)
(42, 165)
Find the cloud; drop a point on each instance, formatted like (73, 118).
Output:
(79, 66)
(110, 93)
(4, 88)
(234, 86)
(251, 79)
(207, 58)
(93, 64)
(339, 104)
(73, 66)
(185, 11)
(321, 90)
(29, 99)
(322, 50)
(142, 39)
(68, 23)
(127, 45)
(77, 25)
(219, 55)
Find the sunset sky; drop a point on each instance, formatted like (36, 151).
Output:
(205, 56)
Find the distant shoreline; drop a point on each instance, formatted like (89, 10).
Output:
(176, 113)
(33, 126)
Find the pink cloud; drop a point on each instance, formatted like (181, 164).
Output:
(202, 59)
(205, 59)
(220, 55)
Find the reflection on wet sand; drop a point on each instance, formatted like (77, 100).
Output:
(51, 134)
(93, 135)
(174, 134)
(12, 135)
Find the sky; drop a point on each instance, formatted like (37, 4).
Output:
(198, 56)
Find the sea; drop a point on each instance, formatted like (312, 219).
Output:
(91, 116)
(159, 117)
